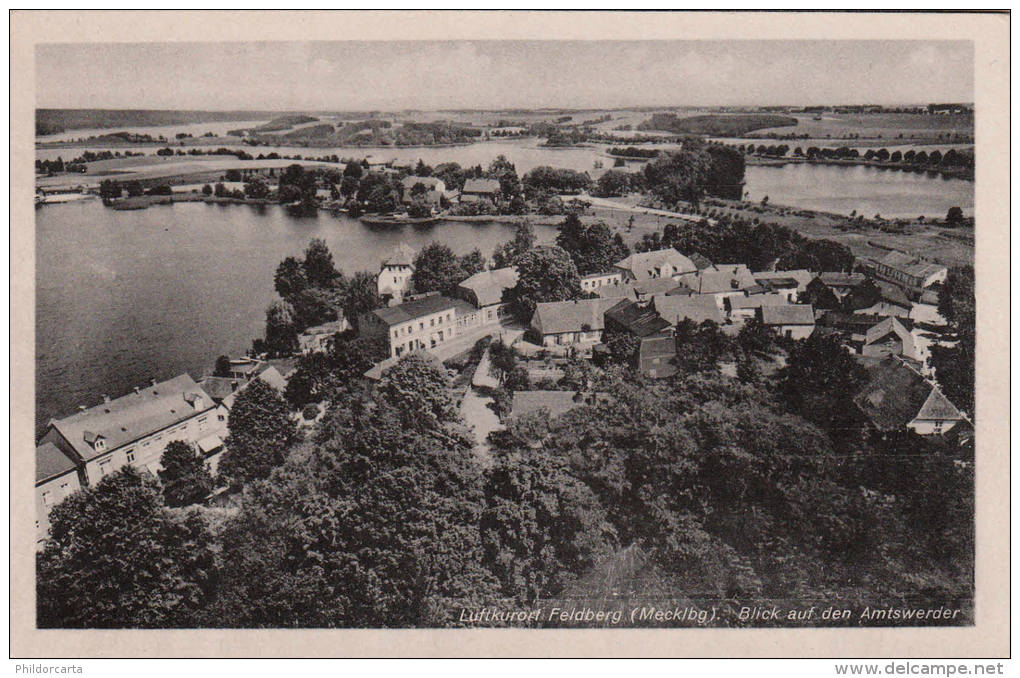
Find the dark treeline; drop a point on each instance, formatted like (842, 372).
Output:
(761, 246)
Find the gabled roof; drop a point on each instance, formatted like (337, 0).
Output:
(487, 186)
(886, 327)
(557, 317)
(695, 308)
(637, 320)
(896, 395)
(937, 406)
(50, 462)
(643, 264)
(488, 286)
(790, 314)
(132, 416)
(403, 255)
(415, 308)
(556, 402)
(721, 278)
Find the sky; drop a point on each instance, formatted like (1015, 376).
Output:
(351, 76)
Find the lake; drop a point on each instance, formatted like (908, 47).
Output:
(866, 190)
(127, 296)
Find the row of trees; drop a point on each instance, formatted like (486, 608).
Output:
(952, 158)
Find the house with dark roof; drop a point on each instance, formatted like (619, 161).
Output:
(564, 323)
(828, 289)
(394, 279)
(656, 356)
(628, 317)
(794, 321)
(897, 397)
(420, 323)
(485, 291)
(133, 429)
(480, 189)
(665, 263)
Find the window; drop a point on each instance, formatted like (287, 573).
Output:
(130, 456)
(432, 322)
(396, 333)
(47, 498)
(104, 467)
(219, 417)
(449, 316)
(421, 325)
(440, 320)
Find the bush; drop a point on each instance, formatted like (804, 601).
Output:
(310, 412)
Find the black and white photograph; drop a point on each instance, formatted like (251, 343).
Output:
(506, 333)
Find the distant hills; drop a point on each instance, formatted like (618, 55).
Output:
(56, 120)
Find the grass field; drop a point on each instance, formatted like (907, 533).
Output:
(888, 125)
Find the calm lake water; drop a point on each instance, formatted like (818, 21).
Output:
(866, 190)
(126, 296)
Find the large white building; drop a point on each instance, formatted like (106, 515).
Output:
(422, 322)
(133, 429)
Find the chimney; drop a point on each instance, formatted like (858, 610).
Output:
(82, 408)
(106, 398)
(152, 382)
(137, 390)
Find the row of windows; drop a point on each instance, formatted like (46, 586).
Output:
(408, 329)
